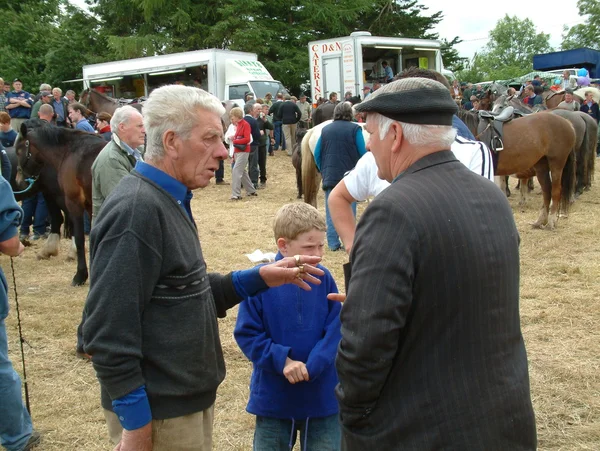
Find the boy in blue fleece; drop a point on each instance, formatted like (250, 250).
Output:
(291, 336)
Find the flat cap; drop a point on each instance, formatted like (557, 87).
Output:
(412, 100)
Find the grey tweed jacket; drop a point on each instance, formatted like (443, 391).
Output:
(432, 356)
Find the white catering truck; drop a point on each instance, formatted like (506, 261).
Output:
(348, 63)
(227, 74)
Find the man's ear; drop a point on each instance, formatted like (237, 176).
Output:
(396, 130)
(169, 141)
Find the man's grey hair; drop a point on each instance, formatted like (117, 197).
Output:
(416, 134)
(58, 90)
(120, 116)
(174, 107)
(45, 87)
(248, 108)
(70, 92)
(343, 112)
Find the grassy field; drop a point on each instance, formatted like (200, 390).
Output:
(560, 315)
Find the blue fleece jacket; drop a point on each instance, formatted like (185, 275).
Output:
(10, 218)
(287, 321)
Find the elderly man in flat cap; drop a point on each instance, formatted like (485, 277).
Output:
(432, 356)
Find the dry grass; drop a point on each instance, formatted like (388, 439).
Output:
(559, 304)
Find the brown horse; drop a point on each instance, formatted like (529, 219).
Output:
(544, 142)
(585, 137)
(71, 153)
(97, 102)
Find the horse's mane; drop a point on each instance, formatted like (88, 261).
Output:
(59, 136)
(470, 118)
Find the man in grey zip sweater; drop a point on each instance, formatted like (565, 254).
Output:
(152, 309)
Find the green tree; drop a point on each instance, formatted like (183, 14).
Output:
(450, 56)
(509, 52)
(78, 41)
(588, 33)
(277, 31)
(26, 34)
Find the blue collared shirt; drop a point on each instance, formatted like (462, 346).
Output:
(133, 409)
(130, 150)
(84, 125)
(59, 110)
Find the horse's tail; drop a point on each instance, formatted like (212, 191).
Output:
(310, 178)
(568, 180)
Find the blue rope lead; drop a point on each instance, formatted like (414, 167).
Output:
(31, 181)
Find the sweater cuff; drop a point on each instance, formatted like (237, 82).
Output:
(248, 283)
(133, 409)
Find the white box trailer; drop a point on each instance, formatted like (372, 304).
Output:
(227, 74)
(347, 64)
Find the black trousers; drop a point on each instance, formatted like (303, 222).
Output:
(262, 163)
(253, 164)
(220, 173)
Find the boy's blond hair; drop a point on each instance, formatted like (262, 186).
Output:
(294, 219)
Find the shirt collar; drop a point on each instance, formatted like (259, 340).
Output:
(131, 151)
(174, 187)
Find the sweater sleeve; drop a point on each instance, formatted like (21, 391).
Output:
(253, 340)
(120, 289)
(224, 293)
(10, 212)
(323, 354)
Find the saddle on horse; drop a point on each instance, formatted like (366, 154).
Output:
(496, 123)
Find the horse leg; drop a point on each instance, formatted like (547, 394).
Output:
(542, 172)
(523, 193)
(82, 272)
(50, 247)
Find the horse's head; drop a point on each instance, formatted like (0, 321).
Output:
(29, 160)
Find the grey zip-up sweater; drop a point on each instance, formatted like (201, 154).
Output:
(152, 307)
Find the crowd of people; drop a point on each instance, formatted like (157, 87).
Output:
(426, 351)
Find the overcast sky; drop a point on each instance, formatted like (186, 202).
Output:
(472, 21)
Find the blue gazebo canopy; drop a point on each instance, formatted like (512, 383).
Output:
(583, 57)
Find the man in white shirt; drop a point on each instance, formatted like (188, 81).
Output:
(362, 183)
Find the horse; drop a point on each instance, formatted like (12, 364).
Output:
(544, 142)
(71, 154)
(585, 137)
(324, 112)
(47, 184)
(297, 159)
(310, 176)
(97, 102)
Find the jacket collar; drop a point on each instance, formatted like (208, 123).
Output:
(433, 159)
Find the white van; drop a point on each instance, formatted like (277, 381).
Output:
(227, 74)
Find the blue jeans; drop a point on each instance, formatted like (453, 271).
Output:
(316, 434)
(278, 134)
(15, 422)
(34, 211)
(333, 239)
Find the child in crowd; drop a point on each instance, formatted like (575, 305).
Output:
(291, 336)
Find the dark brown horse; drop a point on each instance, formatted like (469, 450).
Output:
(544, 142)
(71, 154)
(97, 102)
